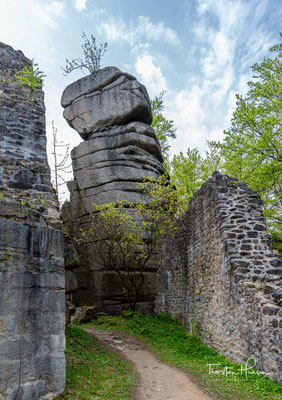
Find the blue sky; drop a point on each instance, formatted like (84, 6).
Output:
(199, 51)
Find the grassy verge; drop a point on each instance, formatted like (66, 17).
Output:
(173, 344)
(93, 373)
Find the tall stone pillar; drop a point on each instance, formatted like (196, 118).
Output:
(32, 276)
(111, 111)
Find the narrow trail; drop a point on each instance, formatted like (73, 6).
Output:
(157, 380)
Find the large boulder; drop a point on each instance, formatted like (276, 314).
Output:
(106, 97)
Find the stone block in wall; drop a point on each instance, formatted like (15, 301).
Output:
(221, 270)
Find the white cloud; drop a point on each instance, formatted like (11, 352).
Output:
(55, 7)
(187, 111)
(151, 75)
(114, 30)
(156, 32)
(49, 12)
(203, 6)
(80, 4)
(134, 32)
(225, 52)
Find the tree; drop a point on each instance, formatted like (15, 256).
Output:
(92, 56)
(190, 171)
(212, 161)
(252, 147)
(61, 165)
(126, 236)
(187, 174)
(163, 127)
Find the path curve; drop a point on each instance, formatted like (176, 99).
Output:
(157, 380)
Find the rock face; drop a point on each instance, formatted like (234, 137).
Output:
(111, 110)
(110, 163)
(107, 97)
(221, 271)
(32, 305)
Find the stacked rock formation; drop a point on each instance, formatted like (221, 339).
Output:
(32, 304)
(111, 111)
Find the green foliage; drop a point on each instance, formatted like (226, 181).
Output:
(187, 173)
(93, 372)
(30, 77)
(163, 127)
(190, 171)
(92, 56)
(252, 147)
(126, 236)
(5, 257)
(277, 241)
(175, 345)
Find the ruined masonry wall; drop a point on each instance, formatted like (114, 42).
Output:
(32, 280)
(221, 271)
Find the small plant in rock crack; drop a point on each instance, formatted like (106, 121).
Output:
(30, 77)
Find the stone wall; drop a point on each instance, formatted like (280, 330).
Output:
(221, 271)
(32, 298)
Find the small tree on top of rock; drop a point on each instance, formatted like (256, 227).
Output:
(92, 56)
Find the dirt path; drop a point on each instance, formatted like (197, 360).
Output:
(157, 380)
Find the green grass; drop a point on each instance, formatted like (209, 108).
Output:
(173, 344)
(93, 373)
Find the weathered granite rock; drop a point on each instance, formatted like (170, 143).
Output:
(221, 270)
(111, 111)
(32, 275)
(106, 97)
(112, 161)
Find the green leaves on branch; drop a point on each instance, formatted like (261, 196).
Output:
(30, 77)
(163, 127)
(92, 56)
(189, 171)
(126, 236)
(252, 147)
